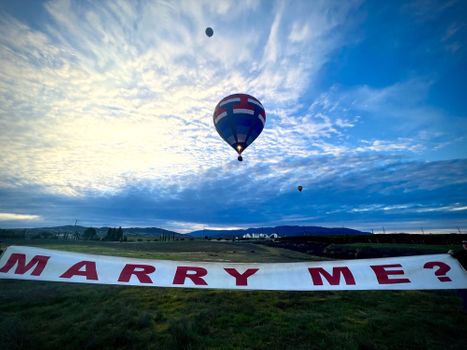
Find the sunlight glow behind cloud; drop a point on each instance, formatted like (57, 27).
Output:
(17, 217)
(110, 92)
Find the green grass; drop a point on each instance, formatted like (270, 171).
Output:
(425, 248)
(175, 250)
(44, 315)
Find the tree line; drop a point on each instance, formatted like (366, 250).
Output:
(113, 234)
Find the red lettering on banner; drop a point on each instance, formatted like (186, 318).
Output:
(89, 270)
(382, 274)
(140, 271)
(334, 279)
(241, 279)
(38, 260)
(441, 271)
(196, 274)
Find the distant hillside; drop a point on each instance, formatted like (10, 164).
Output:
(101, 231)
(149, 231)
(283, 231)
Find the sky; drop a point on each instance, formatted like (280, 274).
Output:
(106, 114)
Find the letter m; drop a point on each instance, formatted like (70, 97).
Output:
(317, 274)
(38, 262)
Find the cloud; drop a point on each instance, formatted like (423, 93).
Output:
(338, 191)
(395, 118)
(107, 112)
(102, 95)
(428, 10)
(18, 217)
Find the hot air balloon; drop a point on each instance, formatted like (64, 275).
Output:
(239, 119)
(300, 188)
(209, 31)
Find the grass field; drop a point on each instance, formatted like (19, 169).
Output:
(36, 315)
(415, 248)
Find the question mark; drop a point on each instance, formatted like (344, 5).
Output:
(441, 271)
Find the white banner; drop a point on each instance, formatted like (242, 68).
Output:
(409, 272)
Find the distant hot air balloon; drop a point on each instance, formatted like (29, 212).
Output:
(209, 32)
(300, 188)
(239, 119)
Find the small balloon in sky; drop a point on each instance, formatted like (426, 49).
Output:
(300, 188)
(209, 32)
(239, 119)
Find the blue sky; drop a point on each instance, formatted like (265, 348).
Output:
(106, 114)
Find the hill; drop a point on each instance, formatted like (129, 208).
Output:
(48, 232)
(283, 231)
(149, 231)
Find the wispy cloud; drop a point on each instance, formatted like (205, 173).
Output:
(106, 113)
(108, 93)
(405, 121)
(427, 10)
(336, 190)
(18, 217)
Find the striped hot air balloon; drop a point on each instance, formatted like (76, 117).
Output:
(239, 119)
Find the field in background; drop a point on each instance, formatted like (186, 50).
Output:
(333, 249)
(58, 315)
(197, 250)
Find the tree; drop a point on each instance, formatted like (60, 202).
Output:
(110, 236)
(114, 234)
(90, 233)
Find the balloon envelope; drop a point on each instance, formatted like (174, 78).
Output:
(300, 188)
(209, 31)
(239, 119)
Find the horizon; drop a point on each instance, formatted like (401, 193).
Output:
(107, 112)
(381, 230)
